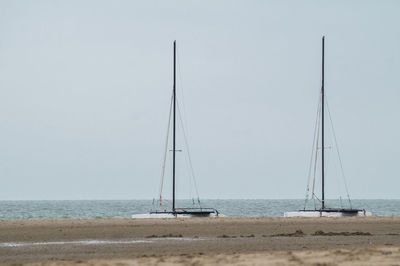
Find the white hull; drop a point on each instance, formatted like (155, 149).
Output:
(170, 215)
(326, 214)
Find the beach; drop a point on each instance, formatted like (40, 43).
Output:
(202, 241)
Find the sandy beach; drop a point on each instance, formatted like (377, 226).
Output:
(202, 241)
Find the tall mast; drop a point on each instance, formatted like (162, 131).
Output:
(174, 127)
(323, 122)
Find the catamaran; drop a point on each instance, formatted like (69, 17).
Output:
(322, 209)
(175, 211)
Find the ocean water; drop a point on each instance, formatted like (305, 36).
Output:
(56, 209)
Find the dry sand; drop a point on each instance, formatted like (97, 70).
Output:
(202, 241)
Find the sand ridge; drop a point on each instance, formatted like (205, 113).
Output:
(352, 257)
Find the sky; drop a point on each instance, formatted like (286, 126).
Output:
(85, 90)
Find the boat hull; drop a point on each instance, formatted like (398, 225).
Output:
(171, 215)
(327, 213)
(181, 213)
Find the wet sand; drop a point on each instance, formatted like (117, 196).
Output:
(202, 241)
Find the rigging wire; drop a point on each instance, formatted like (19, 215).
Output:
(338, 153)
(188, 154)
(189, 160)
(182, 113)
(327, 165)
(316, 154)
(165, 150)
(182, 117)
(190, 180)
(312, 154)
(181, 86)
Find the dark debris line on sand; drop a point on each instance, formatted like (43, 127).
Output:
(322, 233)
(164, 236)
(227, 236)
(298, 233)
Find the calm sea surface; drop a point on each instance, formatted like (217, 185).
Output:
(125, 208)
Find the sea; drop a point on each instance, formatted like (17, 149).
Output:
(79, 209)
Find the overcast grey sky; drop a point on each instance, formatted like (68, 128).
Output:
(85, 89)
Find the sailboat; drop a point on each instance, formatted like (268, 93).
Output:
(324, 210)
(176, 211)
